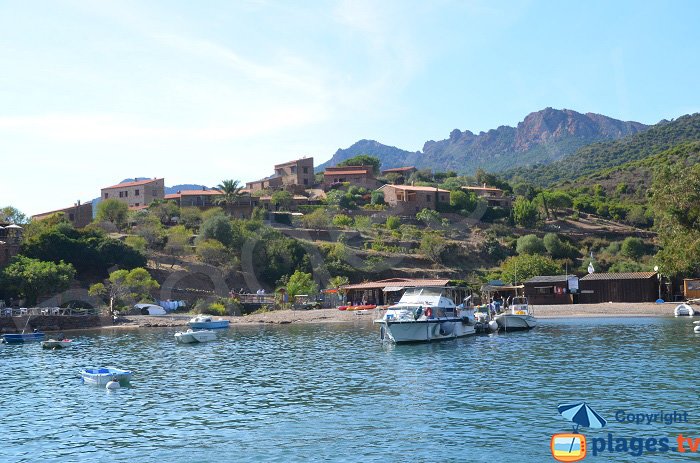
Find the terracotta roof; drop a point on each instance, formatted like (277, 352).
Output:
(619, 276)
(69, 208)
(172, 196)
(405, 282)
(128, 184)
(201, 193)
(347, 172)
(292, 162)
(400, 169)
(416, 188)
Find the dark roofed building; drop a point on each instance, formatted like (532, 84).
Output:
(619, 287)
(554, 289)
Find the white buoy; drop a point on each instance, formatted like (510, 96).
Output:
(493, 326)
(697, 328)
(113, 384)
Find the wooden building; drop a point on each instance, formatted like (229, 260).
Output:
(556, 289)
(691, 288)
(389, 291)
(619, 287)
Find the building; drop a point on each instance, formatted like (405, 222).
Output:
(294, 175)
(362, 176)
(557, 289)
(10, 241)
(495, 197)
(297, 200)
(408, 200)
(389, 291)
(691, 288)
(204, 199)
(136, 194)
(618, 287)
(403, 172)
(80, 215)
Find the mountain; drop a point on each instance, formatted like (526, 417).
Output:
(542, 137)
(600, 156)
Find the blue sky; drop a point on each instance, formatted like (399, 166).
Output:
(197, 92)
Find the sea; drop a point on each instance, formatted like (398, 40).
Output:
(335, 392)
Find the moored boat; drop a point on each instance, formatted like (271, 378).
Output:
(56, 343)
(683, 310)
(518, 316)
(21, 338)
(425, 314)
(206, 322)
(101, 376)
(194, 336)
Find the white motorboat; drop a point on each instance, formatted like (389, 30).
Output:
(194, 336)
(425, 314)
(518, 316)
(207, 322)
(683, 310)
(101, 376)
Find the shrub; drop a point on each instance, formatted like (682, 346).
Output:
(530, 244)
(393, 222)
(634, 248)
(342, 220)
(432, 246)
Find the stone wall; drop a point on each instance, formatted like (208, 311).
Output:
(52, 323)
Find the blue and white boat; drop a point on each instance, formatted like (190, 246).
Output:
(20, 338)
(102, 376)
(206, 322)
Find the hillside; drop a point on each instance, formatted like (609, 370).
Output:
(599, 156)
(542, 137)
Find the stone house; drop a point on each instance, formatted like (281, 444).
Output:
(407, 199)
(80, 215)
(136, 194)
(495, 197)
(362, 176)
(295, 176)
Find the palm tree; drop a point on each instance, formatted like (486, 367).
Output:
(231, 190)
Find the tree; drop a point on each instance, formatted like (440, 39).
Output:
(217, 228)
(212, 252)
(559, 249)
(231, 192)
(338, 281)
(432, 246)
(301, 283)
(178, 243)
(632, 247)
(461, 201)
(363, 160)
(164, 210)
(429, 217)
(341, 220)
(12, 215)
(530, 244)
(520, 268)
(190, 217)
(282, 200)
(33, 278)
(377, 197)
(524, 213)
(318, 219)
(125, 286)
(113, 211)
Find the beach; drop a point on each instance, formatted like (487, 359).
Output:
(281, 317)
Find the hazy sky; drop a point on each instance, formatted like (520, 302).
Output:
(92, 92)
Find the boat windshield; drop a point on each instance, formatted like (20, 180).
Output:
(423, 292)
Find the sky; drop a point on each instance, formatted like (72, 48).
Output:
(94, 92)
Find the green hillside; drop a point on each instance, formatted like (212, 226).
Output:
(600, 156)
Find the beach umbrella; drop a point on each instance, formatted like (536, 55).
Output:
(581, 415)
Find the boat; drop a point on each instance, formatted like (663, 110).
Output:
(425, 314)
(56, 343)
(351, 308)
(683, 310)
(101, 376)
(20, 338)
(206, 322)
(697, 327)
(485, 322)
(518, 316)
(150, 309)
(194, 336)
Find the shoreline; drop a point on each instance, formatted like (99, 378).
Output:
(286, 316)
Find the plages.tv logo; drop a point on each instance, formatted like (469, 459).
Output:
(570, 447)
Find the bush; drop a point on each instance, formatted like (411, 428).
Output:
(633, 248)
(342, 220)
(530, 244)
(432, 246)
(218, 228)
(393, 222)
(559, 249)
(377, 197)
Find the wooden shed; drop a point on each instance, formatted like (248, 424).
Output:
(555, 289)
(389, 291)
(619, 287)
(691, 288)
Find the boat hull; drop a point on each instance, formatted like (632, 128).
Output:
(101, 376)
(194, 337)
(683, 310)
(424, 330)
(212, 325)
(21, 338)
(512, 322)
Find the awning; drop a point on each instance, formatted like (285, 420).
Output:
(390, 289)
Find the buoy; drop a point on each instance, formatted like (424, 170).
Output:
(697, 328)
(113, 384)
(493, 326)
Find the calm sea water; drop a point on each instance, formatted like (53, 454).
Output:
(335, 393)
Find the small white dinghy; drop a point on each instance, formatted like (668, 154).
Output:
(683, 310)
(194, 336)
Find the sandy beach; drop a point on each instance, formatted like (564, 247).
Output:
(281, 317)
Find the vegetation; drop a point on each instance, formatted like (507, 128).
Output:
(125, 287)
(231, 190)
(363, 160)
(301, 283)
(523, 267)
(112, 211)
(32, 278)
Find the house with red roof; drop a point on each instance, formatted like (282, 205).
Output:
(408, 199)
(362, 176)
(136, 194)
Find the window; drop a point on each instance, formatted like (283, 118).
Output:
(71, 217)
(121, 195)
(137, 204)
(136, 193)
(154, 192)
(544, 290)
(306, 170)
(294, 169)
(306, 181)
(126, 194)
(429, 198)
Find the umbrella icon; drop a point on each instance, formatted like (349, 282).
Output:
(581, 415)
